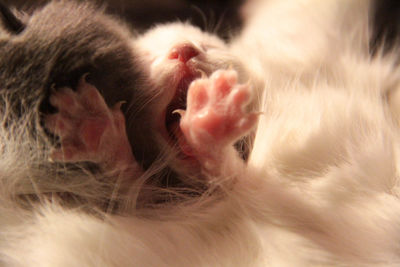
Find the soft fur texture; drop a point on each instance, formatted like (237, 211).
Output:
(320, 187)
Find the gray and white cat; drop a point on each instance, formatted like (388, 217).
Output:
(84, 178)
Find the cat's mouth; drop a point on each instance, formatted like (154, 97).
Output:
(186, 57)
(178, 103)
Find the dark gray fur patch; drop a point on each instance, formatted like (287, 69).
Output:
(62, 42)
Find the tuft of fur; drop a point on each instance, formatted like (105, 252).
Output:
(320, 187)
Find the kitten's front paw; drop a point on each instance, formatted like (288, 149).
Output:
(216, 115)
(87, 128)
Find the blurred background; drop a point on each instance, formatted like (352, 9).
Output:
(221, 16)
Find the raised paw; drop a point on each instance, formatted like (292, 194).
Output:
(88, 129)
(216, 116)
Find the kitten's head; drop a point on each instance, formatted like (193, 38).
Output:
(171, 56)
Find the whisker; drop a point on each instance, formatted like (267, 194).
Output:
(202, 15)
(219, 23)
(133, 109)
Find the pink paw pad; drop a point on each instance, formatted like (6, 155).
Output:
(216, 114)
(88, 129)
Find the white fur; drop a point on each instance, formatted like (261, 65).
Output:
(321, 185)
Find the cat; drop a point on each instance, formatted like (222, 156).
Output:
(319, 186)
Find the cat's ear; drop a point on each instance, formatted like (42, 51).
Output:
(9, 21)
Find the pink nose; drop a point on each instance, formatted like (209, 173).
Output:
(183, 52)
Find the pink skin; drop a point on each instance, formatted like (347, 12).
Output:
(89, 130)
(215, 116)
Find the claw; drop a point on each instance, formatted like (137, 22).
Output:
(84, 76)
(203, 74)
(181, 112)
(119, 104)
(53, 88)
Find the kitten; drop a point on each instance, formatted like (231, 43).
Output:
(320, 184)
